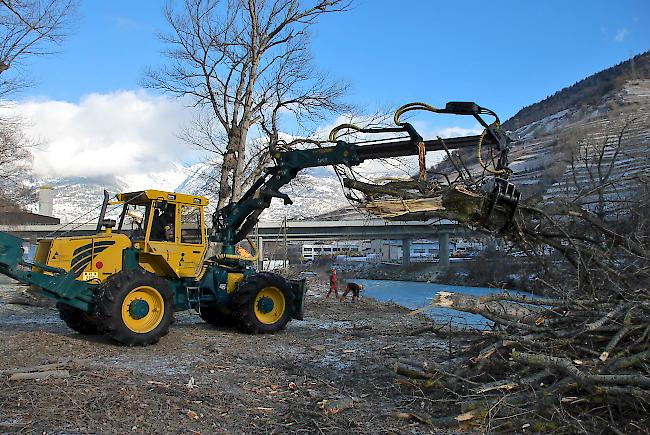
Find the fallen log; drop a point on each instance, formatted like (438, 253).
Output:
(411, 371)
(422, 201)
(487, 306)
(39, 368)
(49, 374)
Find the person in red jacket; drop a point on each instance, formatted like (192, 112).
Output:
(333, 287)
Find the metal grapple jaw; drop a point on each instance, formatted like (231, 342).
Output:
(501, 205)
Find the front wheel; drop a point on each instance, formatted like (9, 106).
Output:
(262, 303)
(135, 307)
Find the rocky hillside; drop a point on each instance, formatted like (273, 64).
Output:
(78, 199)
(549, 159)
(585, 93)
(576, 124)
(313, 192)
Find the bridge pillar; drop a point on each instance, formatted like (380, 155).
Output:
(406, 252)
(443, 249)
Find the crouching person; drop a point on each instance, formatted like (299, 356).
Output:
(353, 288)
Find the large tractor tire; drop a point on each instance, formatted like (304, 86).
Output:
(215, 317)
(262, 303)
(78, 320)
(135, 307)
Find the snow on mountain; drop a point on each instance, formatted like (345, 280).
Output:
(311, 195)
(165, 180)
(314, 191)
(78, 199)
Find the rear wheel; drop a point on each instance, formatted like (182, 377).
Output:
(135, 307)
(77, 320)
(262, 303)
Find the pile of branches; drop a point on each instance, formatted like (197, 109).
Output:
(413, 200)
(577, 359)
(547, 363)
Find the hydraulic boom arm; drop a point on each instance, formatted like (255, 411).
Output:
(233, 222)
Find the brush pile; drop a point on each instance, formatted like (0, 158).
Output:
(547, 364)
(412, 200)
(574, 361)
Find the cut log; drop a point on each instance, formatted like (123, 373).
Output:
(411, 371)
(39, 368)
(484, 306)
(50, 374)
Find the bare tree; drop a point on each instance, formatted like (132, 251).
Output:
(247, 64)
(30, 28)
(27, 28)
(15, 163)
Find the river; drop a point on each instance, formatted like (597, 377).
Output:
(411, 294)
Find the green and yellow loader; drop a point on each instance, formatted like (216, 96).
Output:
(127, 280)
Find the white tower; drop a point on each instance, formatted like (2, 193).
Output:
(46, 201)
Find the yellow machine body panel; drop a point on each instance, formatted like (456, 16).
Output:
(233, 280)
(91, 258)
(164, 250)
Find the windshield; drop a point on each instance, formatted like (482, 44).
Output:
(133, 221)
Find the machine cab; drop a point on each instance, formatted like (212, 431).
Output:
(168, 229)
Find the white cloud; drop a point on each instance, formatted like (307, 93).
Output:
(116, 134)
(132, 135)
(621, 34)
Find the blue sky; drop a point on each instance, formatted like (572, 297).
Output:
(503, 54)
(87, 110)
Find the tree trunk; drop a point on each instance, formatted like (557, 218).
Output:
(485, 306)
(238, 175)
(228, 166)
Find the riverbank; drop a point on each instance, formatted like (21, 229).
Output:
(218, 380)
(491, 270)
(420, 272)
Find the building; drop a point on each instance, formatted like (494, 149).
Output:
(312, 250)
(421, 250)
(466, 248)
(20, 217)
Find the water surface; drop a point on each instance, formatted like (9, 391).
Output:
(413, 295)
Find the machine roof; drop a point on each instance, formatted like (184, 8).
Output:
(151, 195)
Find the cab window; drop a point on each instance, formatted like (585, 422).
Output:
(133, 220)
(162, 225)
(191, 225)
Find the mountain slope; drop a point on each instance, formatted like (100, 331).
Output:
(312, 192)
(78, 199)
(586, 92)
(574, 122)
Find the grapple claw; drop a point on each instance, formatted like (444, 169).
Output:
(501, 205)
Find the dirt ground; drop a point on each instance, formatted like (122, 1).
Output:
(202, 379)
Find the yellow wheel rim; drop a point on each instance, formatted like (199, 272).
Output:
(269, 305)
(143, 309)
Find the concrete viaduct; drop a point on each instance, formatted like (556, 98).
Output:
(305, 230)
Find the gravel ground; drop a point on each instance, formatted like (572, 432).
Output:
(202, 379)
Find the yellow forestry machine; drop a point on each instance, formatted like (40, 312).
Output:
(128, 279)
